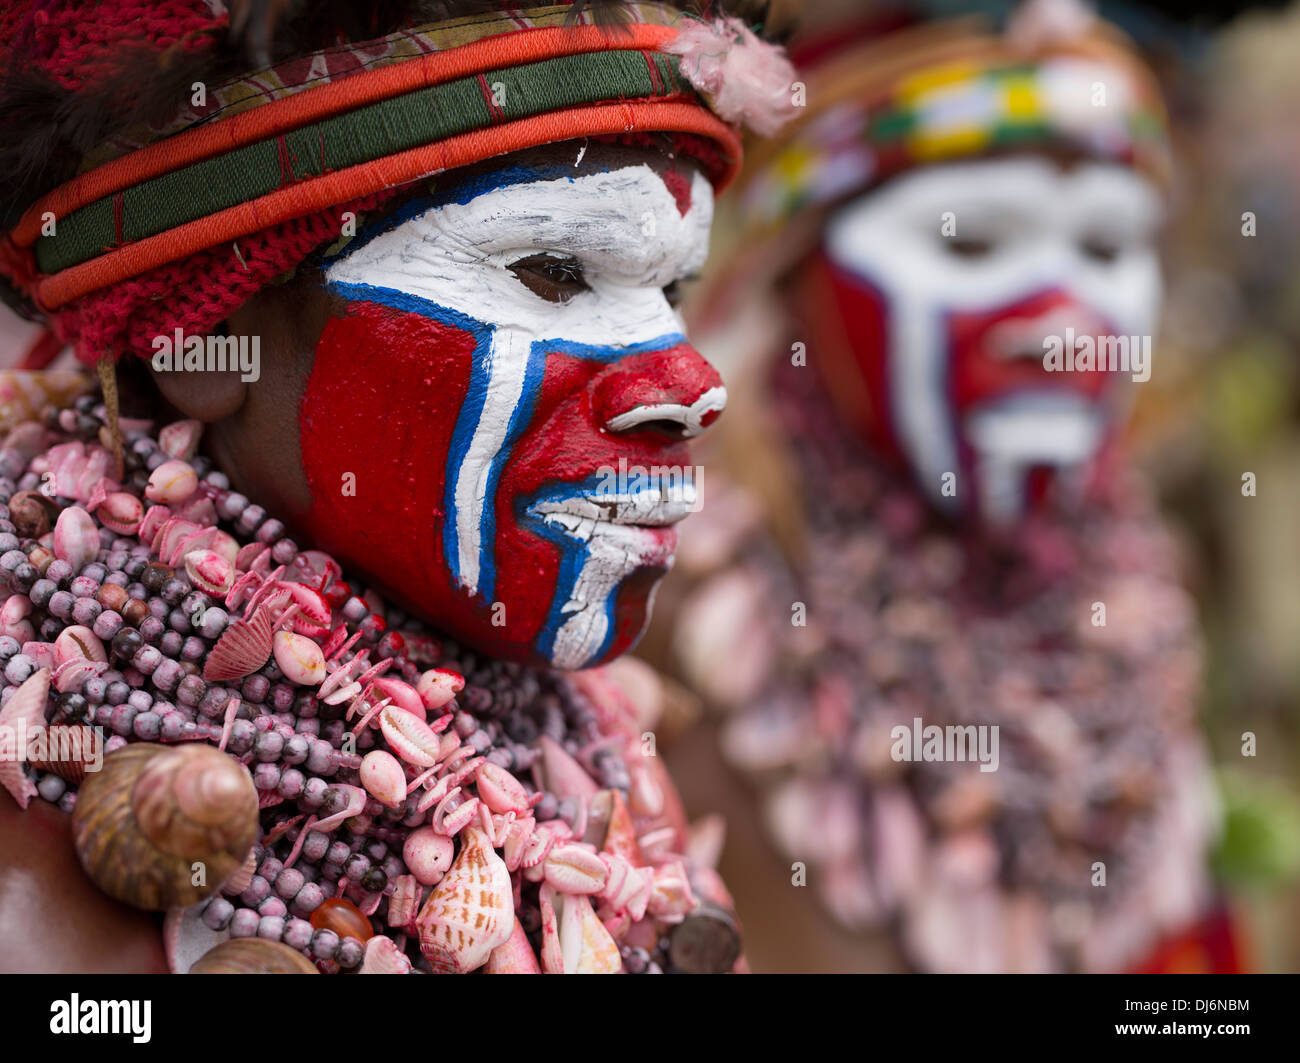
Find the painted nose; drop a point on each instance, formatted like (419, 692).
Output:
(673, 393)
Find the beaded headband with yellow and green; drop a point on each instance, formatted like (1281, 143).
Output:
(879, 104)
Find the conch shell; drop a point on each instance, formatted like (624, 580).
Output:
(470, 912)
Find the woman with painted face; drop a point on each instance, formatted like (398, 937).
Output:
(291, 599)
(969, 699)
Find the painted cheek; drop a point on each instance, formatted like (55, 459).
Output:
(376, 422)
(848, 318)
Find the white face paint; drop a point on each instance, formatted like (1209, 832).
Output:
(1024, 228)
(452, 262)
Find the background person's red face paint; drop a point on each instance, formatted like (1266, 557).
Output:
(935, 344)
(489, 415)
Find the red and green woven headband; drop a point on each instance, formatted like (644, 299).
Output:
(301, 138)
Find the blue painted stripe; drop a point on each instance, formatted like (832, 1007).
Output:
(573, 556)
(468, 418)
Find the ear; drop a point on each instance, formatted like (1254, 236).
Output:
(206, 397)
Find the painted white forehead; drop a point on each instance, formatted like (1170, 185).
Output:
(1027, 182)
(622, 224)
(1033, 210)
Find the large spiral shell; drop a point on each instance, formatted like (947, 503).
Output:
(165, 825)
(253, 956)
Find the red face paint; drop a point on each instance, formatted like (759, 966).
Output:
(990, 355)
(381, 404)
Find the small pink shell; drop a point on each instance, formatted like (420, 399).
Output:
(248, 554)
(313, 612)
(27, 705)
(154, 518)
(241, 876)
(198, 509)
(172, 482)
(565, 777)
(438, 686)
(262, 563)
(409, 737)
(42, 653)
(382, 776)
(76, 537)
(572, 869)
(336, 639)
(574, 941)
(314, 567)
(299, 658)
(245, 587)
(384, 957)
(270, 586)
(517, 838)
(17, 607)
(24, 710)
(402, 694)
(671, 895)
(225, 545)
(241, 651)
(500, 790)
(72, 675)
(180, 440)
(210, 572)
(99, 493)
(404, 902)
(427, 855)
(539, 845)
(646, 797)
(170, 536)
(121, 512)
(13, 618)
(627, 888)
(459, 818)
(78, 641)
(202, 539)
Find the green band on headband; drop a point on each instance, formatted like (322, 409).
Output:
(372, 132)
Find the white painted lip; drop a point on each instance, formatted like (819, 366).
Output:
(652, 507)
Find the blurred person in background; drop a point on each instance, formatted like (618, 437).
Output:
(931, 521)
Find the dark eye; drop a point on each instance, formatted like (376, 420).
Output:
(555, 278)
(1100, 249)
(968, 246)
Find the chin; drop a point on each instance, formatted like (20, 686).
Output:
(568, 639)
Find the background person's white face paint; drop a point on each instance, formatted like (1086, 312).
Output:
(1032, 249)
